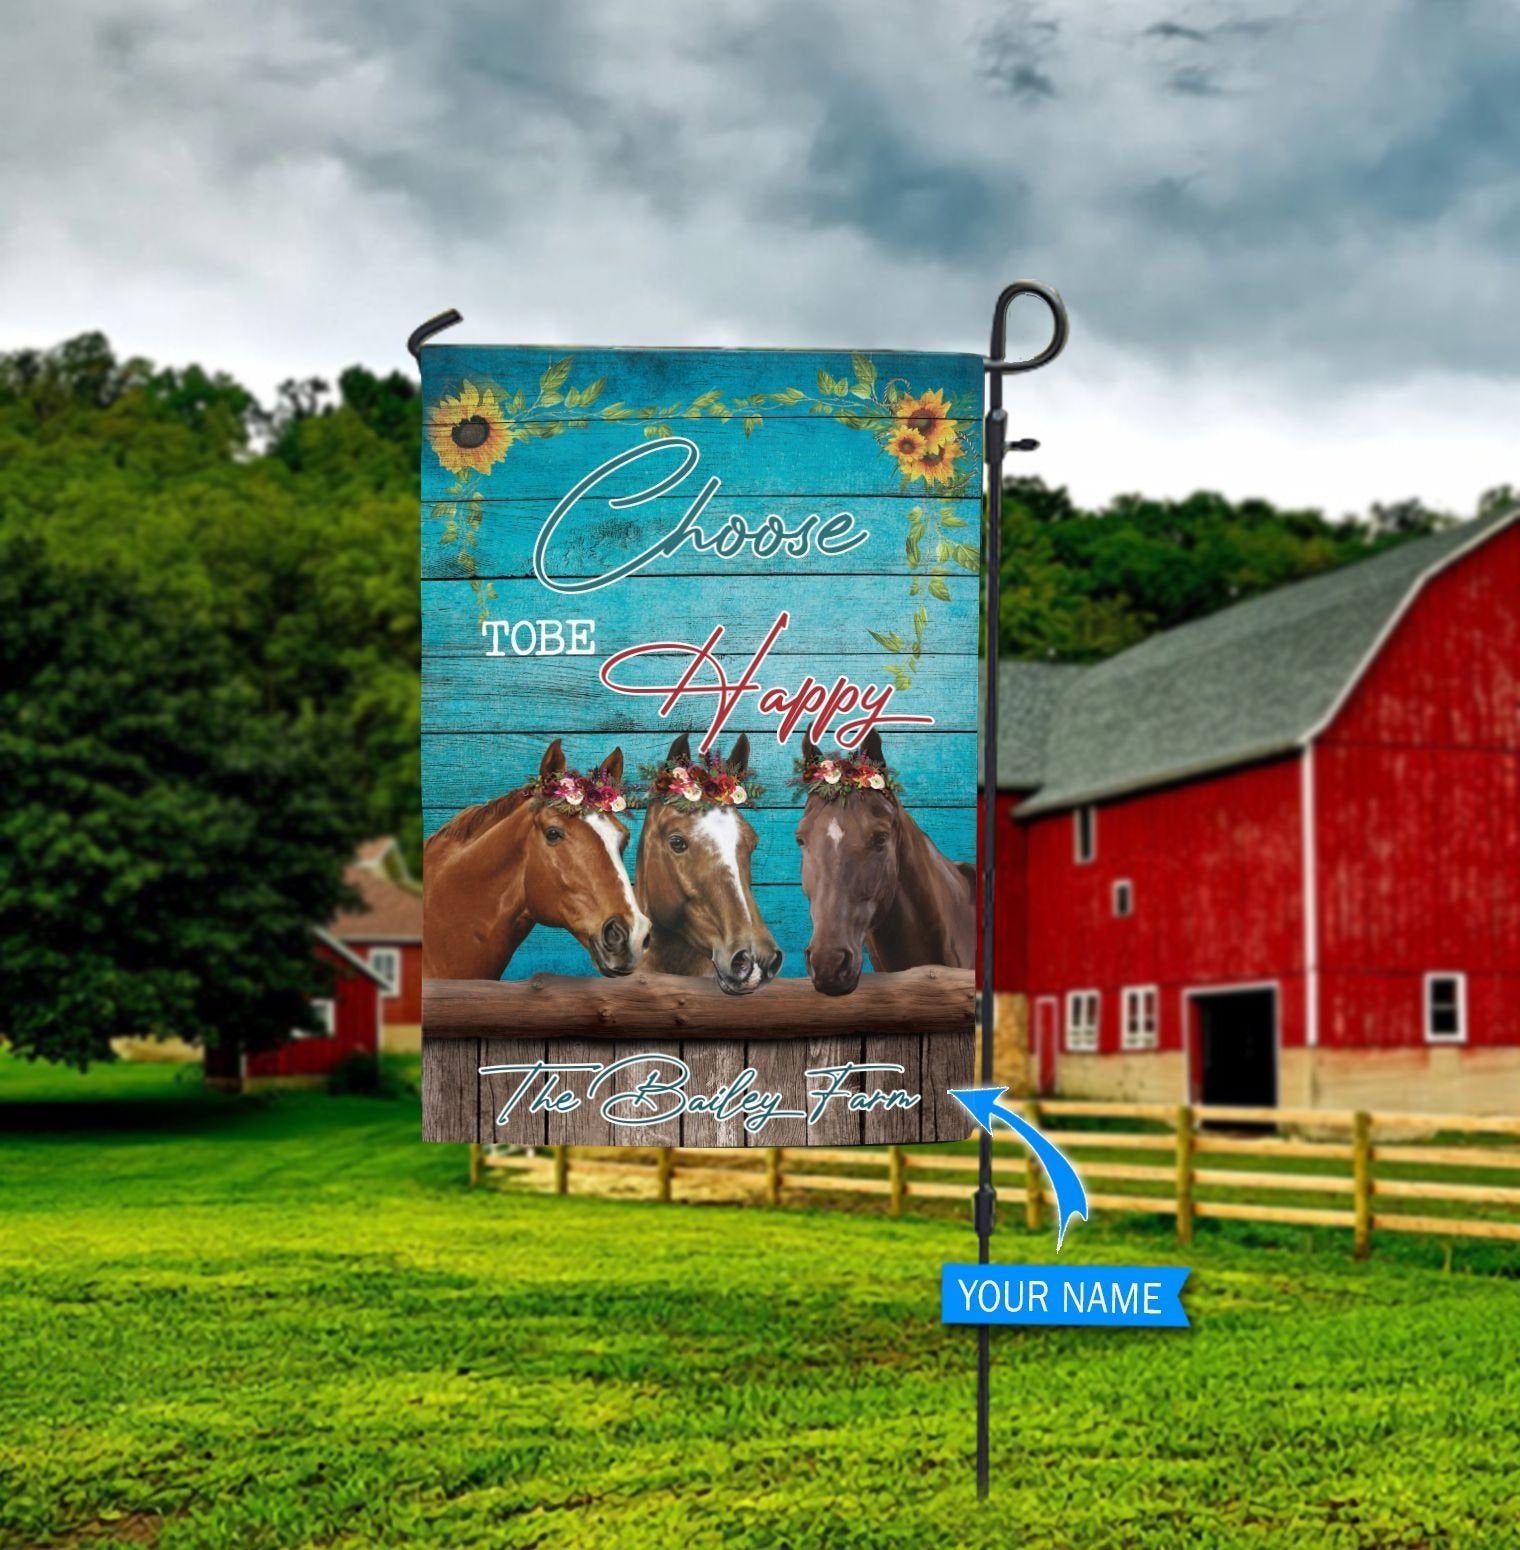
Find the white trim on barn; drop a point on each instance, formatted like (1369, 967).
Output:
(1397, 617)
(348, 955)
(1191, 992)
(1308, 818)
(1459, 978)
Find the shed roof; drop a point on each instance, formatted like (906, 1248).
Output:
(1250, 682)
(392, 911)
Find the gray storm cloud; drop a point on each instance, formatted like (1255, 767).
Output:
(1275, 225)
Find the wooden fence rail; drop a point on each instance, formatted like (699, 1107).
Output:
(1195, 1163)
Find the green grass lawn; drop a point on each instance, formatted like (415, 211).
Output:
(286, 1322)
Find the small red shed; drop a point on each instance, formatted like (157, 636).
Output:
(350, 1016)
(1273, 857)
(386, 931)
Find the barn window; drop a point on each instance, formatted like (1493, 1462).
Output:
(1082, 1022)
(386, 962)
(1142, 1017)
(1445, 1008)
(327, 1019)
(1085, 827)
(1124, 898)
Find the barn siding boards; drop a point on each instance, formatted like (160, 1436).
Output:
(883, 1127)
(794, 438)
(591, 539)
(668, 1132)
(521, 1128)
(463, 694)
(450, 1106)
(953, 830)
(827, 618)
(713, 1064)
(460, 770)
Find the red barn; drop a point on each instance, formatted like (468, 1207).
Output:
(386, 931)
(350, 1017)
(1273, 857)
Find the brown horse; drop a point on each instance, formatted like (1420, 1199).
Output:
(692, 880)
(876, 883)
(495, 871)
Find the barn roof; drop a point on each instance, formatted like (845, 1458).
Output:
(391, 912)
(1252, 681)
(1027, 696)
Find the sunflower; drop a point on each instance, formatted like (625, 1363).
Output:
(907, 446)
(929, 415)
(938, 466)
(468, 431)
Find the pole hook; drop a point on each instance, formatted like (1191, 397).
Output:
(1060, 328)
(420, 335)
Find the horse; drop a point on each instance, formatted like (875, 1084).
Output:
(496, 870)
(691, 878)
(876, 883)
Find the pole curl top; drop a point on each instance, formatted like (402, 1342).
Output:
(420, 335)
(1060, 328)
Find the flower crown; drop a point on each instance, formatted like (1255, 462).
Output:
(833, 778)
(705, 778)
(570, 792)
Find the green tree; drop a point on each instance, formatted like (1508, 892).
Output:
(1079, 585)
(166, 843)
(305, 552)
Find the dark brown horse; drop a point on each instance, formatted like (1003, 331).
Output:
(495, 871)
(692, 880)
(876, 883)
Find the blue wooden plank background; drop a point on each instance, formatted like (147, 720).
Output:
(789, 433)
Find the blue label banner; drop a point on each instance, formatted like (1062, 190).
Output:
(1103, 1296)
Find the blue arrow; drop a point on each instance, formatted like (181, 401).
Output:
(981, 1103)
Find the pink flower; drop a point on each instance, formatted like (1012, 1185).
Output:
(738, 796)
(619, 802)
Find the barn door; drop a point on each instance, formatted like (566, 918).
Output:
(1237, 1048)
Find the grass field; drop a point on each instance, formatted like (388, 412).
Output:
(285, 1322)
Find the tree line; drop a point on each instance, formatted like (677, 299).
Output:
(209, 646)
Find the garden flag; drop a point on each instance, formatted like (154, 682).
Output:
(700, 685)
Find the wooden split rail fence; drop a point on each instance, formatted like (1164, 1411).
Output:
(1193, 1163)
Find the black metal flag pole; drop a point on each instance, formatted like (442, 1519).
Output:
(997, 446)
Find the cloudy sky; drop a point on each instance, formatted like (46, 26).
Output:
(1287, 230)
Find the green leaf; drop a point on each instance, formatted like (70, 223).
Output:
(952, 522)
(589, 395)
(967, 557)
(752, 423)
(554, 377)
(572, 398)
(916, 587)
(825, 381)
(891, 642)
(865, 371)
(937, 588)
(941, 551)
(550, 399)
(617, 411)
(792, 395)
(912, 548)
